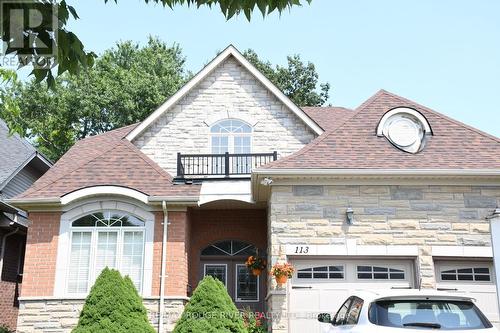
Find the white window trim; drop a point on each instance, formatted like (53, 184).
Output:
(236, 299)
(230, 135)
(216, 264)
(372, 272)
(312, 278)
(92, 206)
(92, 276)
(441, 266)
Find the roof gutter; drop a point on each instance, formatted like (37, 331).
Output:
(378, 172)
(19, 202)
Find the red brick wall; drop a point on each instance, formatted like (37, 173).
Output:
(41, 254)
(210, 226)
(9, 290)
(8, 307)
(177, 265)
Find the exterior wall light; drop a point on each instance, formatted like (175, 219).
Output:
(350, 215)
(266, 181)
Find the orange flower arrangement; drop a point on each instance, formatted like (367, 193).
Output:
(284, 269)
(282, 272)
(256, 263)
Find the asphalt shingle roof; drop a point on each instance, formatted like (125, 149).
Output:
(106, 159)
(329, 117)
(350, 142)
(354, 144)
(14, 152)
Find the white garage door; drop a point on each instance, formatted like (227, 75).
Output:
(471, 278)
(323, 285)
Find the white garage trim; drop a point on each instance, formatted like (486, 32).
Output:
(472, 278)
(462, 251)
(351, 248)
(313, 290)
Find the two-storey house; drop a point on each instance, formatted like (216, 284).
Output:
(389, 195)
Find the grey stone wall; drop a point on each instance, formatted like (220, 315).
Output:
(383, 215)
(228, 92)
(61, 315)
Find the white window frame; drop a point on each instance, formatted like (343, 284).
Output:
(89, 206)
(216, 264)
(372, 272)
(441, 267)
(236, 299)
(93, 274)
(230, 136)
(312, 278)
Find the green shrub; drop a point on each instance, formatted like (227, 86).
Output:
(113, 306)
(5, 329)
(210, 310)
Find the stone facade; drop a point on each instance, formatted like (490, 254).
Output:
(61, 315)
(228, 92)
(423, 216)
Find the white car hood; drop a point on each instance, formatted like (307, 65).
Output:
(382, 329)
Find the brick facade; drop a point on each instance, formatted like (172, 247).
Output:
(228, 92)
(41, 254)
(177, 254)
(211, 226)
(9, 286)
(423, 216)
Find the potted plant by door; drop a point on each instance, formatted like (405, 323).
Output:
(282, 272)
(256, 265)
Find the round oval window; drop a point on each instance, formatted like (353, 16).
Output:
(403, 131)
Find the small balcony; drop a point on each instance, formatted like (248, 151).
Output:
(220, 166)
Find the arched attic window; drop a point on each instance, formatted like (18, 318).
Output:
(231, 135)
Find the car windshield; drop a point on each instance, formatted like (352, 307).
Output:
(428, 314)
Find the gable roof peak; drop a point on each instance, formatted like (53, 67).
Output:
(230, 50)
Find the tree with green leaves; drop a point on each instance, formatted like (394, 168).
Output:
(298, 80)
(126, 84)
(113, 306)
(210, 310)
(71, 53)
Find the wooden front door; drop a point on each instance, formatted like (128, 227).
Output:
(225, 261)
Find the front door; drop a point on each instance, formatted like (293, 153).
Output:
(225, 261)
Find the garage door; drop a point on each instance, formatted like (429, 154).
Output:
(471, 278)
(323, 285)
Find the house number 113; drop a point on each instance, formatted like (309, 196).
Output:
(302, 249)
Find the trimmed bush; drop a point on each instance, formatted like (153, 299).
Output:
(113, 306)
(5, 329)
(210, 310)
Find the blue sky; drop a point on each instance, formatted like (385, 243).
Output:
(444, 54)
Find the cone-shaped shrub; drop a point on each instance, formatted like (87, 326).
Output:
(210, 310)
(113, 306)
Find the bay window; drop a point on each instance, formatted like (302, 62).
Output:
(103, 239)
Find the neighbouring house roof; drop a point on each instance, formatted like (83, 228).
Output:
(15, 153)
(106, 159)
(230, 51)
(353, 144)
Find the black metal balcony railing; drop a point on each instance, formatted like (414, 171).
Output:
(217, 165)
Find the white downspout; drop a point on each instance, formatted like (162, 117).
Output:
(163, 266)
(495, 244)
(4, 240)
